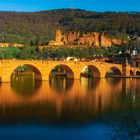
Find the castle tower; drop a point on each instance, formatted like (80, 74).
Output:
(97, 40)
(58, 36)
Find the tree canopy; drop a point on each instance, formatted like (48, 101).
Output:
(37, 28)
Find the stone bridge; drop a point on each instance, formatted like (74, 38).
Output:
(43, 68)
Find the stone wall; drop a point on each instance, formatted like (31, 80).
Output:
(89, 39)
(44, 68)
(105, 42)
(86, 39)
(72, 37)
(11, 45)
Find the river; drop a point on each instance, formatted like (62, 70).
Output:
(84, 109)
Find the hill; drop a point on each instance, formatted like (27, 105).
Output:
(37, 28)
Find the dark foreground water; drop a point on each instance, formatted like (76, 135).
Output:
(64, 109)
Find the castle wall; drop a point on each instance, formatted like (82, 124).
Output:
(86, 40)
(11, 45)
(72, 37)
(89, 39)
(105, 42)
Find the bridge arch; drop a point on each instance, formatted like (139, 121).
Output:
(90, 70)
(113, 72)
(61, 70)
(35, 70)
(131, 73)
(138, 73)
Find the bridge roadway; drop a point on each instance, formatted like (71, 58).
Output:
(43, 68)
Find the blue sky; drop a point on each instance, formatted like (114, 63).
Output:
(92, 5)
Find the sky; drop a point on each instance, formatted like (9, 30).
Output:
(91, 5)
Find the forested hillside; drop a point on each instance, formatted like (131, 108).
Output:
(37, 28)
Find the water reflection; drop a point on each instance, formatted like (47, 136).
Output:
(24, 84)
(125, 121)
(88, 83)
(46, 104)
(113, 81)
(60, 84)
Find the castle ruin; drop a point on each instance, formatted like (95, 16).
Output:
(88, 39)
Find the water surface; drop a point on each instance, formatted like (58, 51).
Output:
(69, 109)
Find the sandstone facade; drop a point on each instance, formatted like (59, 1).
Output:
(105, 42)
(42, 68)
(88, 39)
(72, 37)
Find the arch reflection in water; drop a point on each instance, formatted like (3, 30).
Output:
(60, 84)
(24, 84)
(89, 83)
(105, 98)
(113, 81)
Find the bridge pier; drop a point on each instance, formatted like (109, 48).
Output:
(134, 73)
(45, 77)
(76, 75)
(126, 71)
(5, 78)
